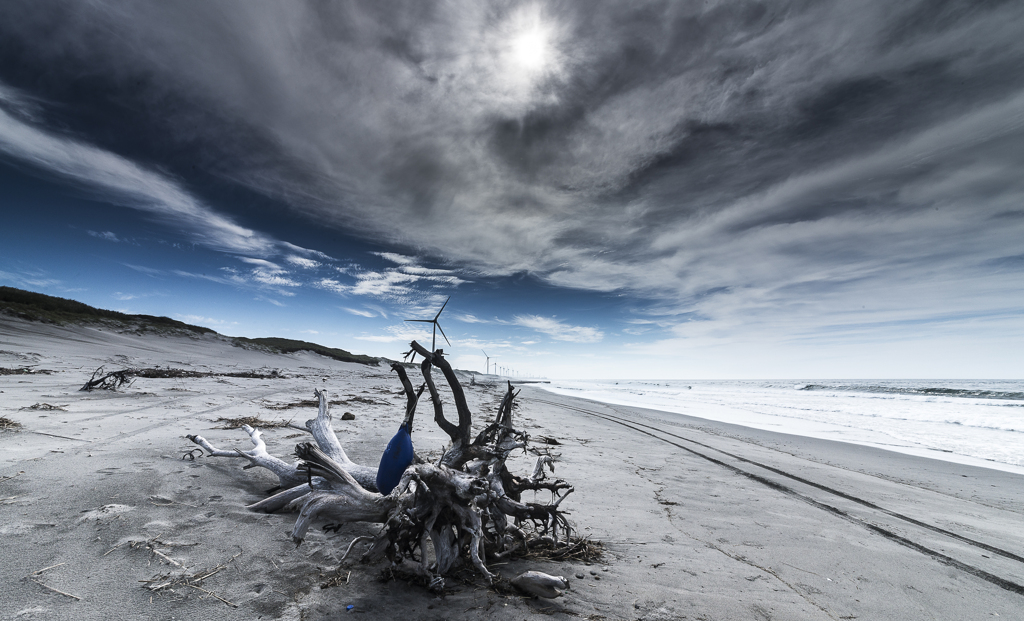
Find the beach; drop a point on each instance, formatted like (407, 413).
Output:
(100, 507)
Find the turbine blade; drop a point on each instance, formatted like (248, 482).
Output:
(442, 308)
(443, 334)
(422, 320)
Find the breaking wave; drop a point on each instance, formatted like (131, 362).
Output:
(925, 390)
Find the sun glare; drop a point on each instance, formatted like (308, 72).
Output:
(530, 49)
(524, 58)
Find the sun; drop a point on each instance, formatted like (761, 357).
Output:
(531, 48)
(530, 42)
(524, 56)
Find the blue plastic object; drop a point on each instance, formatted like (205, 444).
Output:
(396, 458)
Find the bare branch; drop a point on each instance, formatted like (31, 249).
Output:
(465, 416)
(442, 422)
(287, 473)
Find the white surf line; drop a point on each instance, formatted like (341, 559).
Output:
(903, 446)
(888, 534)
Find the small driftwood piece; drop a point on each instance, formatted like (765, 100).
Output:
(465, 510)
(108, 381)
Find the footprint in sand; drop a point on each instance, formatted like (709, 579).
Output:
(99, 513)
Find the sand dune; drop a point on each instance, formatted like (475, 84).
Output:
(100, 517)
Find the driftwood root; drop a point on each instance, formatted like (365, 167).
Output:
(463, 511)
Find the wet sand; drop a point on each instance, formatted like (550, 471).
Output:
(700, 520)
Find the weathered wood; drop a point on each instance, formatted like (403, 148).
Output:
(435, 398)
(463, 510)
(412, 396)
(337, 496)
(288, 474)
(327, 440)
(436, 358)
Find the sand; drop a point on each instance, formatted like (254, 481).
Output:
(700, 520)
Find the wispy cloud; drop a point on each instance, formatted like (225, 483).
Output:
(231, 277)
(273, 278)
(106, 235)
(559, 330)
(409, 285)
(396, 258)
(379, 309)
(331, 284)
(302, 262)
(33, 278)
(151, 271)
(205, 321)
(388, 285)
(263, 298)
(401, 333)
(306, 252)
(360, 313)
(467, 318)
(263, 263)
(124, 182)
(268, 273)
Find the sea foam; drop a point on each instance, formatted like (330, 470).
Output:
(980, 422)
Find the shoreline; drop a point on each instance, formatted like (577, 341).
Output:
(829, 432)
(873, 460)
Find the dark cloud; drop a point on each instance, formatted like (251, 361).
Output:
(786, 157)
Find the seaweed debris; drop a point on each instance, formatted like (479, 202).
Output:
(24, 371)
(7, 424)
(253, 421)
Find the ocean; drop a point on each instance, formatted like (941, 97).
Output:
(978, 422)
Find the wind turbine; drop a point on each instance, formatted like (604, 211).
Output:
(488, 371)
(437, 326)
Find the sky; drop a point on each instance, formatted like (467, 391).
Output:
(620, 189)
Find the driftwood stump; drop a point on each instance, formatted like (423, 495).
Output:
(464, 510)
